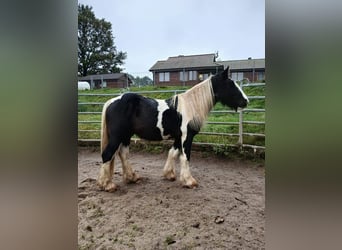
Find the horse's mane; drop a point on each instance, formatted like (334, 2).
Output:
(196, 103)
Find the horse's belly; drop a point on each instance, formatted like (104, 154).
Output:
(150, 134)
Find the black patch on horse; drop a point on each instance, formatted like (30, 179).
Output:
(171, 122)
(188, 141)
(172, 104)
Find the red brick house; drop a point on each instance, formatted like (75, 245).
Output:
(252, 69)
(190, 70)
(184, 70)
(115, 80)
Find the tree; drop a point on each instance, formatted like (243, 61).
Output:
(96, 50)
(142, 81)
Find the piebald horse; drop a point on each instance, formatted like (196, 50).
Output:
(180, 118)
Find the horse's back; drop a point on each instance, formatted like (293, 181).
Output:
(134, 114)
(122, 106)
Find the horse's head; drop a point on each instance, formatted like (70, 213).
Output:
(228, 92)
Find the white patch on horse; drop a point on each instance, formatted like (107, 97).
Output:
(113, 99)
(162, 106)
(243, 93)
(128, 174)
(169, 171)
(105, 177)
(104, 136)
(185, 175)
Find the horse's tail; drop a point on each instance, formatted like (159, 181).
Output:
(104, 132)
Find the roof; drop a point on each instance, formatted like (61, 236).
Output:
(180, 62)
(244, 64)
(102, 76)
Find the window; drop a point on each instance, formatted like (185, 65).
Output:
(161, 77)
(237, 76)
(164, 76)
(260, 76)
(192, 75)
(187, 76)
(183, 76)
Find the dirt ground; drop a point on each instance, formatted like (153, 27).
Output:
(226, 211)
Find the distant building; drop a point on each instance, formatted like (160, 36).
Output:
(252, 69)
(115, 80)
(185, 70)
(190, 70)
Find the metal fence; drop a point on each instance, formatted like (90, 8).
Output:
(238, 139)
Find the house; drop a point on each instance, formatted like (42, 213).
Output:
(115, 80)
(252, 69)
(190, 70)
(184, 70)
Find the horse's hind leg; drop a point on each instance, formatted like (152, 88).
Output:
(107, 169)
(128, 173)
(105, 176)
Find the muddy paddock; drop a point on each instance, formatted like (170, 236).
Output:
(226, 210)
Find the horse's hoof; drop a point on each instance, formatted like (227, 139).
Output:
(170, 177)
(173, 178)
(111, 187)
(192, 183)
(108, 187)
(133, 179)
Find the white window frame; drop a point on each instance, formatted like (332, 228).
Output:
(167, 76)
(192, 75)
(164, 76)
(161, 76)
(260, 76)
(183, 76)
(237, 76)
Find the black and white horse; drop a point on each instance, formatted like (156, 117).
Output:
(179, 117)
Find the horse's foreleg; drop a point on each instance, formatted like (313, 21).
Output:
(169, 171)
(128, 173)
(185, 174)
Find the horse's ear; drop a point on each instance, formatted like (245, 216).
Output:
(225, 73)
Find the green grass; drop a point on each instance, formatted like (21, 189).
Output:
(213, 117)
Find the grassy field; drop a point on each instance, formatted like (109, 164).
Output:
(202, 138)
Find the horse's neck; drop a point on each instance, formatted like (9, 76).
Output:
(196, 103)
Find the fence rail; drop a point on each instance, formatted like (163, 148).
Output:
(83, 134)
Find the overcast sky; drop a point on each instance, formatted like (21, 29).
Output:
(153, 30)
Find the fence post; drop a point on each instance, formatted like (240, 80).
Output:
(240, 142)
